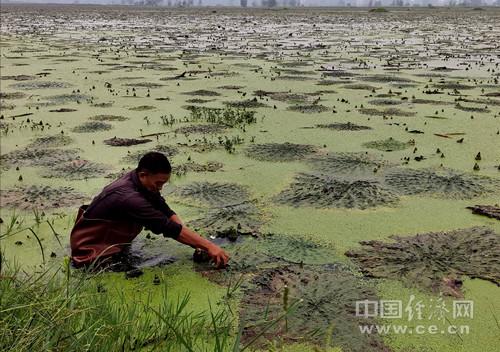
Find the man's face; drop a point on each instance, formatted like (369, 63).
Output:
(153, 182)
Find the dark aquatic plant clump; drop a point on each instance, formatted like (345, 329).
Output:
(347, 163)
(472, 108)
(348, 126)
(76, 170)
(53, 141)
(294, 249)
(108, 118)
(203, 93)
(38, 157)
(210, 166)
(125, 142)
(33, 85)
(388, 145)
(453, 85)
(227, 117)
(66, 98)
(435, 260)
(212, 193)
(245, 104)
(244, 217)
(142, 108)
(490, 211)
(201, 129)
(360, 86)
(308, 108)
(323, 191)
(40, 197)
(441, 183)
(13, 95)
(280, 151)
(326, 311)
(385, 102)
(386, 79)
(386, 112)
(92, 126)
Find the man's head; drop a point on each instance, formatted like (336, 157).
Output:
(154, 171)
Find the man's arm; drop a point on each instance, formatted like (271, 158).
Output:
(191, 238)
(176, 218)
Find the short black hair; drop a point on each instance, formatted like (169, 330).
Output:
(155, 163)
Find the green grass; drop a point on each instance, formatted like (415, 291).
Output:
(59, 309)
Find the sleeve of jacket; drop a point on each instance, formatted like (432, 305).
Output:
(142, 211)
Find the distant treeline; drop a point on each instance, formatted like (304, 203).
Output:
(297, 3)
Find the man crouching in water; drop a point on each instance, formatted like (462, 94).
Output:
(106, 227)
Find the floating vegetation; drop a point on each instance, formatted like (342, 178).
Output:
(296, 98)
(202, 129)
(92, 126)
(430, 102)
(386, 112)
(433, 261)
(198, 101)
(18, 78)
(212, 193)
(280, 151)
(238, 218)
(5, 106)
(308, 108)
(33, 85)
(203, 93)
(360, 86)
(453, 86)
(247, 104)
(40, 197)
(338, 73)
(135, 156)
(228, 116)
(54, 141)
(63, 110)
(326, 191)
(14, 95)
(191, 166)
(144, 85)
(328, 295)
(76, 170)
(293, 249)
(347, 163)
(388, 145)
(472, 108)
(108, 118)
(102, 105)
(444, 183)
(385, 102)
(348, 126)
(231, 87)
(66, 98)
(38, 157)
(142, 108)
(386, 79)
(490, 211)
(125, 142)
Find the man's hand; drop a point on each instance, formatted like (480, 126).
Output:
(191, 238)
(218, 256)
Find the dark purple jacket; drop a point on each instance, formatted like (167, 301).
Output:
(126, 199)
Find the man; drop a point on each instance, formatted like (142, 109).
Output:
(105, 228)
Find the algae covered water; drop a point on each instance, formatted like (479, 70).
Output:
(348, 160)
